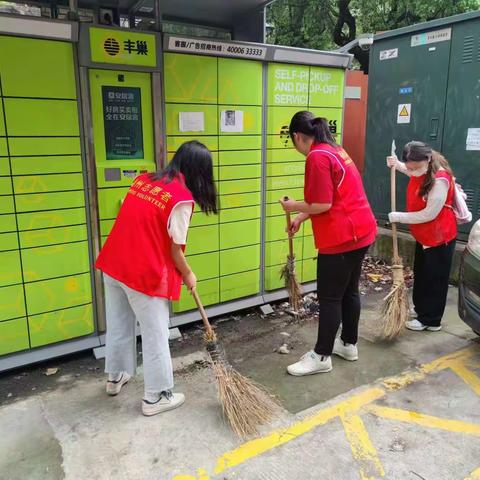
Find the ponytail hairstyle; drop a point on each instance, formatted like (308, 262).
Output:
(193, 160)
(419, 152)
(316, 127)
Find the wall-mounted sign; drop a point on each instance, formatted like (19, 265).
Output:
(404, 113)
(431, 37)
(122, 117)
(473, 139)
(212, 47)
(123, 47)
(405, 90)
(231, 121)
(389, 54)
(191, 122)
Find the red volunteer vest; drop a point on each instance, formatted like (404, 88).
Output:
(442, 229)
(138, 250)
(350, 217)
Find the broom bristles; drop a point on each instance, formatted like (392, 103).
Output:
(396, 309)
(245, 404)
(291, 283)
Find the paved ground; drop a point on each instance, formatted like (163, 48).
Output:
(407, 410)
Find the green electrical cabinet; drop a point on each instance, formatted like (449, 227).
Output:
(424, 84)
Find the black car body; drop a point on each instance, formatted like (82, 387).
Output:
(469, 281)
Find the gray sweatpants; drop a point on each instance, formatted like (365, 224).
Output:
(124, 307)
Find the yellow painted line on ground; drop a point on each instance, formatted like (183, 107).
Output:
(401, 381)
(474, 475)
(280, 437)
(429, 421)
(362, 448)
(361, 445)
(467, 375)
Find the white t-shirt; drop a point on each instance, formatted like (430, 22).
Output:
(179, 222)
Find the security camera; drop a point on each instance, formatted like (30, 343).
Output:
(365, 41)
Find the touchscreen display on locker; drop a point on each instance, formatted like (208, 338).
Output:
(122, 120)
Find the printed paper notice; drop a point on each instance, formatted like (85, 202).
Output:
(473, 139)
(232, 121)
(404, 113)
(191, 122)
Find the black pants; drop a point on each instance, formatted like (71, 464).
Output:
(430, 288)
(338, 296)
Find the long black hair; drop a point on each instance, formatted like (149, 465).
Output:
(194, 161)
(316, 127)
(415, 151)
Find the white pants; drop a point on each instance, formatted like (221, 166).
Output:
(124, 307)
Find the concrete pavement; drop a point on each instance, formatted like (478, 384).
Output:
(385, 416)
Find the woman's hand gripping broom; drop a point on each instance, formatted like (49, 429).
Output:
(288, 271)
(395, 310)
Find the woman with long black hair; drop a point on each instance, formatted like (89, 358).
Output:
(343, 229)
(432, 222)
(143, 264)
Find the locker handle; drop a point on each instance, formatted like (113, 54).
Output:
(434, 123)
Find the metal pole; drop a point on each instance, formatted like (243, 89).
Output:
(73, 11)
(158, 16)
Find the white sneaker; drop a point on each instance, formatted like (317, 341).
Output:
(167, 401)
(310, 364)
(114, 386)
(347, 351)
(417, 326)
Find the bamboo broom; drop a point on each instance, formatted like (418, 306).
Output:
(395, 310)
(245, 405)
(288, 271)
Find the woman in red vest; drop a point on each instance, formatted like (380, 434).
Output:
(143, 264)
(343, 229)
(433, 224)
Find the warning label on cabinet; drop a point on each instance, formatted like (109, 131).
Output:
(404, 113)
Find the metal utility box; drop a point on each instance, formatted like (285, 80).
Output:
(424, 84)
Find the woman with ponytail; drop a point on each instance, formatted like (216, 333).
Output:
(432, 222)
(343, 228)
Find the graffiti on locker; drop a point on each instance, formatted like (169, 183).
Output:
(285, 136)
(122, 116)
(332, 125)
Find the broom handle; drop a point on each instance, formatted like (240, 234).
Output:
(393, 193)
(289, 224)
(206, 323)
